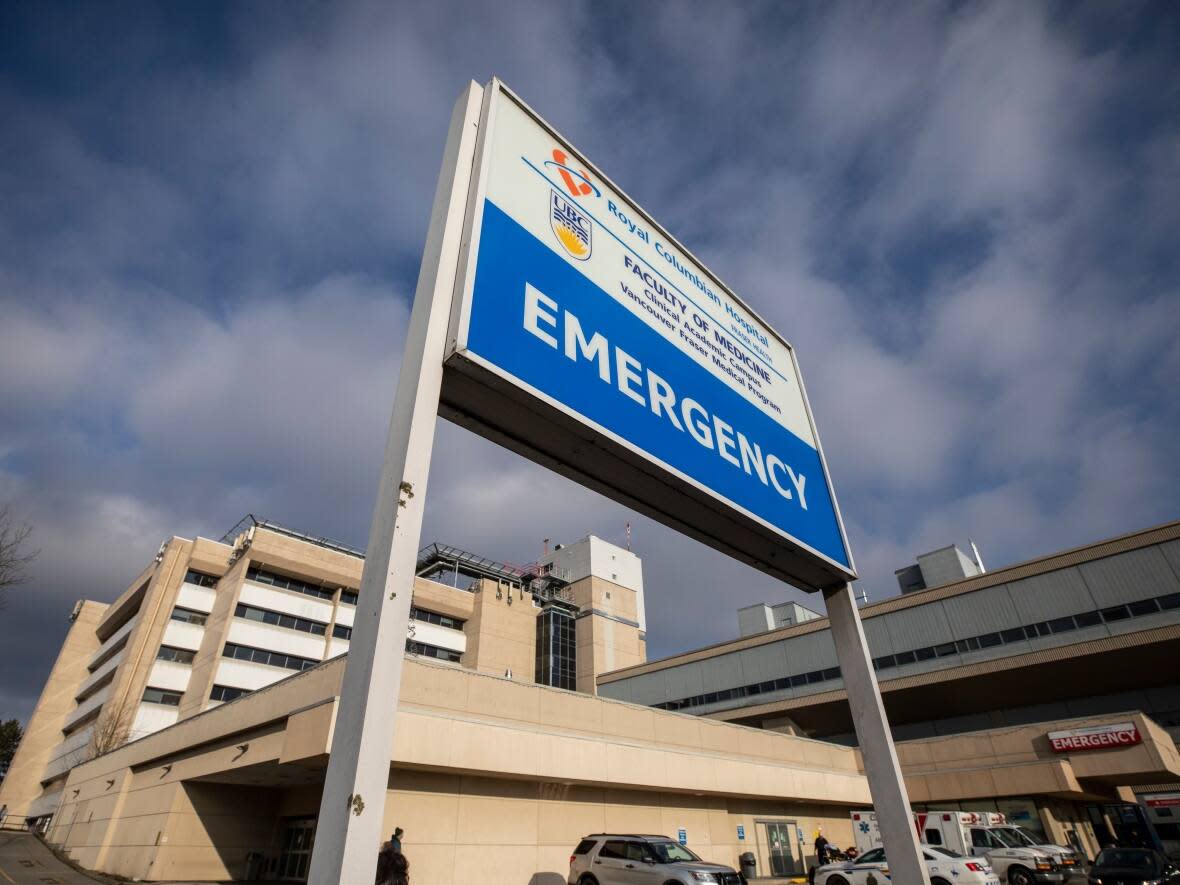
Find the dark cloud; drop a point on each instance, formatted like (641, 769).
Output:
(963, 216)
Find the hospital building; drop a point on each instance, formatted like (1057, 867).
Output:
(184, 730)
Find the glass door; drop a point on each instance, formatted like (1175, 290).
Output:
(298, 838)
(778, 837)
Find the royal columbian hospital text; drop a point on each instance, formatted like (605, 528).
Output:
(546, 320)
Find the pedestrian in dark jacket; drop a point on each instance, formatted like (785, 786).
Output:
(821, 848)
(392, 868)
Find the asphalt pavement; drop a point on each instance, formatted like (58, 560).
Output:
(24, 860)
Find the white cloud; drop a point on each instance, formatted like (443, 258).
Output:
(203, 287)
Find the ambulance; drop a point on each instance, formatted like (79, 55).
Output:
(973, 834)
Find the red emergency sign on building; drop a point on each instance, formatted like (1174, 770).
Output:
(1098, 737)
(1169, 801)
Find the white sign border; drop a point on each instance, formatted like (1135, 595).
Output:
(465, 290)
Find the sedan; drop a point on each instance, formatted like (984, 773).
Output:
(1141, 866)
(943, 865)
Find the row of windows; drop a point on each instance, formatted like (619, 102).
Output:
(757, 688)
(421, 614)
(261, 576)
(975, 643)
(1136, 609)
(270, 658)
(179, 655)
(161, 696)
(188, 616)
(226, 693)
(418, 614)
(432, 651)
(192, 576)
(265, 616)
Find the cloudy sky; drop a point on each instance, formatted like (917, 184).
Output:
(963, 215)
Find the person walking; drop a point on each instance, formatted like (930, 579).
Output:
(821, 848)
(392, 866)
(395, 841)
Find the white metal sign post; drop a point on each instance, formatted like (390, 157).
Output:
(891, 800)
(348, 834)
(554, 316)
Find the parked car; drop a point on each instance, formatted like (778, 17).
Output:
(622, 859)
(944, 866)
(1133, 866)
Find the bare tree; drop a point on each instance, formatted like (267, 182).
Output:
(110, 732)
(15, 555)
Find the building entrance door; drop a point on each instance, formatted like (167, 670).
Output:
(298, 839)
(778, 836)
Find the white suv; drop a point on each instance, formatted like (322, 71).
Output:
(614, 859)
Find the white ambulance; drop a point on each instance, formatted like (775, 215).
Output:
(972, 834)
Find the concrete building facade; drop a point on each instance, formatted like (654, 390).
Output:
(1087, 635)
(184, 732)
(209, 621)
(209, 765)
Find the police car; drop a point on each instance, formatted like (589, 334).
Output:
(945, 868)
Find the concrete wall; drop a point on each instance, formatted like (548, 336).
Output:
(608, 631)
(490, 776)
(502, 631)
(1018, 761)
(1123, 570)
(43, 732)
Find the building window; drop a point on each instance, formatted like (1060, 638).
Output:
(192, 576)
(1115, 613)
(349, 597)
(261, 576)
(1088, 619)
(263, 656)
(178, 655)
(342, 632)
(227, 693)
(277, 619)
(1144, 607)
(432, 651)
(428, 617)
(161, 696)
(1138, 608)
(557, 648)
(188, 616)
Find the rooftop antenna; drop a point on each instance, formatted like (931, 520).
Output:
(546, 542)
(864, 596)
(628, 537)
(978, 558)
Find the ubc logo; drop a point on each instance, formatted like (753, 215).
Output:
(571, 226)
(577, 182)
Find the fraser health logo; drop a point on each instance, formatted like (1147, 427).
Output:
(572, 227)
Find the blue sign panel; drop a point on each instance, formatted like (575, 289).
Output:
(741, 828)
(584, 305)
(546, 324)
(682, 836)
